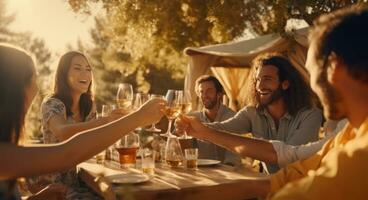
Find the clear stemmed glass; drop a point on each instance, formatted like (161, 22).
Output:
(185, 107)
(144, 97)
(137, 102)
(124, 96)
(106, 110)
(173, 154)
(172, 110)
(153, 127)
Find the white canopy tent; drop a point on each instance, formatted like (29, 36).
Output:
(230, 62)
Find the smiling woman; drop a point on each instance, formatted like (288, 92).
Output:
(68, 111)
(80, 75)
(73, 84)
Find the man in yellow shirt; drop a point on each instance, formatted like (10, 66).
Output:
(338, 64)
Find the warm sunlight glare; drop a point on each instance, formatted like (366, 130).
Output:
(51, 20)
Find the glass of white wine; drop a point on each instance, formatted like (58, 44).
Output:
(144, 97)
(124, 96)
(105, 111)
(185, 103)
(172, 110)
(153, 127)
(137, 102)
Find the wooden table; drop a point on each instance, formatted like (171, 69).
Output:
(216, 182)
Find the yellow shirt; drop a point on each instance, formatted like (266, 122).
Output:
(338, 171)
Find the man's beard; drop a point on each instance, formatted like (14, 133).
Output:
(329, 99)
(275, 96)
(211, 104)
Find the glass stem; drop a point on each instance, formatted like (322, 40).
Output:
(169, 127)
(185, 135)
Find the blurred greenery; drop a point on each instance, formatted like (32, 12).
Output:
(271, 16)
(42, 57)
(108, 74)
(141, 41)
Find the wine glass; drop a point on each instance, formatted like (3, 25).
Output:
(171, 110)
(173, 154)
(185, 107)
(137, 102)
(153, 127)
(144, 98)
(124, 95)
(105, 111)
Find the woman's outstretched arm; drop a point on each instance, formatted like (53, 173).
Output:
(17, 161)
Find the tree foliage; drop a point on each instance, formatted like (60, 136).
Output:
(144, 39)
(107, 73)
(193, 23)
(270, 16)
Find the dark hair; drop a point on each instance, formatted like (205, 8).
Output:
(205, 78)
(16, 71)
(345, 33)
(62, 89)
(297, 96)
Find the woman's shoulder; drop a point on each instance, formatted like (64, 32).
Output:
(52, 104)
(51, 101)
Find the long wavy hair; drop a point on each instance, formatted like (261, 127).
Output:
(62, 90)
(16, 71)
(297, 96)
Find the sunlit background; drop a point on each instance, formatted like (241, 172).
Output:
(140, 41)
(52, 20)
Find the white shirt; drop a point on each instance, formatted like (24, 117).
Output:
(287, 154)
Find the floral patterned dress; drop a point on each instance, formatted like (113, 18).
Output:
(51, 107)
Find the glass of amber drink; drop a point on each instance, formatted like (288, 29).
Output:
(148, 161)
(127, 148)
(191, 158)
(173, 153)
